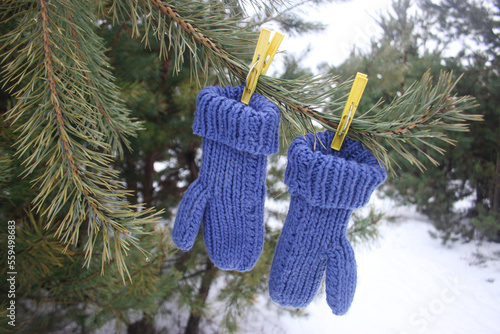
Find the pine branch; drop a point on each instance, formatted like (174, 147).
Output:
(424, 111)
(44, 268)
(118, 134)
(415, 120)
(264, 5)
(69, 119)
(364, 227)
(279, 14)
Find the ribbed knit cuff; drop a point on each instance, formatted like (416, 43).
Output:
(252, 128)
(328, 178)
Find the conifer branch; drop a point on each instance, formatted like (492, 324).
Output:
(109, 122)
(423, 111)
(69, 119)
(279, 14)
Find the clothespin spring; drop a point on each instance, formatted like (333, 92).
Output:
(344, 130)
(250, 71)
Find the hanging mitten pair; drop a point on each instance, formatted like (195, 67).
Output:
(325, 186)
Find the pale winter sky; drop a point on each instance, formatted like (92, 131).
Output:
(350, 23)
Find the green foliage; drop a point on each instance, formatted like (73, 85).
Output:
(165, 105)
(364, 228)
(212, 44)
(69, 120)
(487, 224)
(53, 292)
(81, 78)
(467, 171)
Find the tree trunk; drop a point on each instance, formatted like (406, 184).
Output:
(142, 326)
(496, 192)
(130, 169)
(206, 282)
(190, 156)
(149, 173)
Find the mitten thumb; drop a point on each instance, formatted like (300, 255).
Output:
(189, 215)
(341, 277)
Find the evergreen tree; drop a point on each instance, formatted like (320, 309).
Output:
(80, 178)
(411, 44)
(476, 23)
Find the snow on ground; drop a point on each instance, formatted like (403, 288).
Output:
(408, 283)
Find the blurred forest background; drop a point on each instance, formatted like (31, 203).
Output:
(54, 294)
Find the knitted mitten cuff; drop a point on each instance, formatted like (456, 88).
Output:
(220, 116)
(328, 178)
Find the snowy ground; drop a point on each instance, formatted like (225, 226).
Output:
(408, 283)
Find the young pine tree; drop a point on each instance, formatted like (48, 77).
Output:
(97, 104)
(467, 170)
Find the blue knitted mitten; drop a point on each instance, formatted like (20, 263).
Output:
(326, 185)
(230, 191)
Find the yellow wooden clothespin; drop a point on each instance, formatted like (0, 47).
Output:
(262, 58)
(350, 108)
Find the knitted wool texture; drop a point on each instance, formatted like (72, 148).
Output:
(325, 186)
(229, 194)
